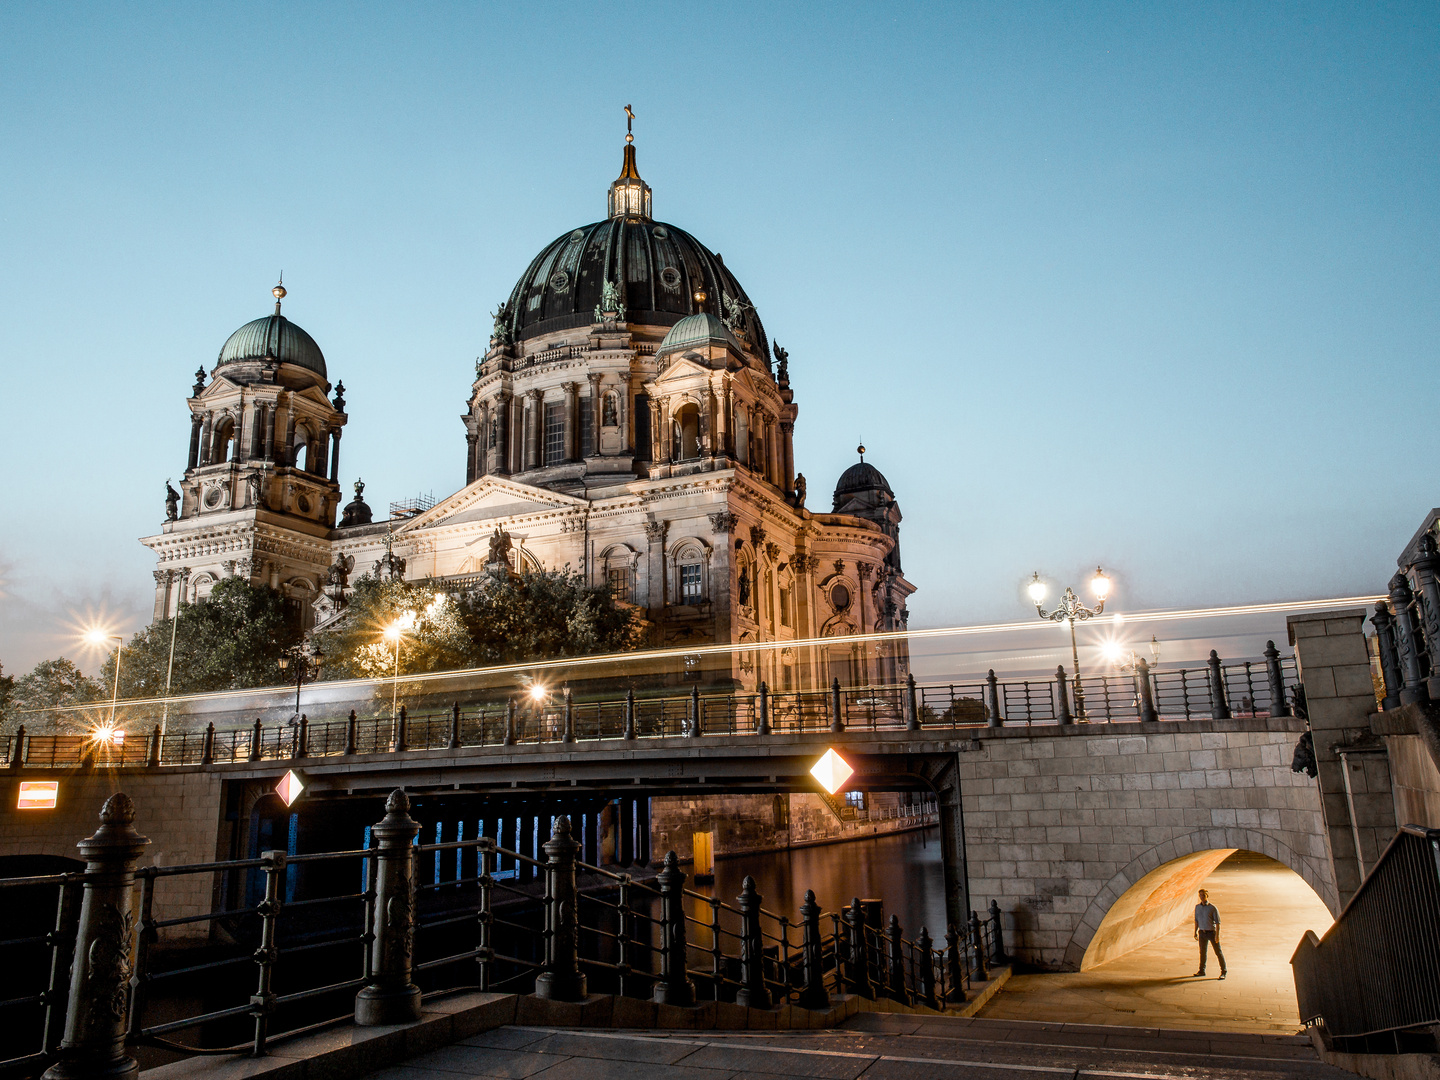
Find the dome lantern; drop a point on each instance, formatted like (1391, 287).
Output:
(629, 194)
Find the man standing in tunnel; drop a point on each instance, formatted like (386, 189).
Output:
(1207, 931)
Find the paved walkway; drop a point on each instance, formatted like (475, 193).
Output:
(872, 1046)
(1265, 909)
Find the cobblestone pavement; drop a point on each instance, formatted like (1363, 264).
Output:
(876, 1047)
(1265, 909)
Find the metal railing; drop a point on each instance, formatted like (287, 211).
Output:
(1376, 972)
(1217, 690)
(296, 941)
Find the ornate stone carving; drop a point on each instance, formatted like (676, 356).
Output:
(610, 308)
(772, 551)
(839, 566)
(782, 358)
(500, 332)
(799, 489)
(864, 569)
(724, 522)
(500, 548)
(757, 535)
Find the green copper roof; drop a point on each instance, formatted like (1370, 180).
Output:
(696, 330)
(276, 337)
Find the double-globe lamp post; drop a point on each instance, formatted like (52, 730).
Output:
(307, 666)
(1072, 610)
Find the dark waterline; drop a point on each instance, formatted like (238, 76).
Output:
(902, 869)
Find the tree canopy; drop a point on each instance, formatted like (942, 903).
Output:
(504, 619)
(229, 641)
(49, 684)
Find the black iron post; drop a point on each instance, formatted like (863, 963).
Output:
(62, 952)
(857, 954)
(674, 987)
(997, 956)
(912, 707)
(484, 916)
(992, 700)
(814, 996)
(454, 743)
(1407, 635)
(302, 740)
(509, 739)
(567, 730)
(561, 980)
(895, 940)
(262, 1002)
(17, 747)
(1384, 624)
(391, 997)
(350, 746)
(1276, 678)
(1148, 715)
(1219, 707)
(926, 947)
(98, 1005)
(629, 721)
(954, 969)
(1426, 568)
(694, 729)
(152, 754)
(1062, 691)
(402, 733)
(207, 745)
(837, 722)
(977, 943)
(762, 721)
(257, 735)
(753, 992)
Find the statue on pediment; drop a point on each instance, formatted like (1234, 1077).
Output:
(172, 502)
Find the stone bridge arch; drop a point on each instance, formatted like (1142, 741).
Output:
(1312, 871)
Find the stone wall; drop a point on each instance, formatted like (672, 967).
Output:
(1061, 821)
(1416, 781)
(179, 809)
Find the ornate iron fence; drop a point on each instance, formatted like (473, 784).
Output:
(1376, 972)
(1217, 690)
(320, 936)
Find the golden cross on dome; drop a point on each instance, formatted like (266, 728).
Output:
(629, 119)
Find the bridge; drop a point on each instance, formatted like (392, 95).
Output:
(1052, 819)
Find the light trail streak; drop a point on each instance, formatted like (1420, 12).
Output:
(571, 663)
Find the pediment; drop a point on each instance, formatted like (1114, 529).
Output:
(681, 368)
(491, 498)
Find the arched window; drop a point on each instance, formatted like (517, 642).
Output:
(220, 442)
(685, 434)
(618, 563)
(690, 565)
(303, 452)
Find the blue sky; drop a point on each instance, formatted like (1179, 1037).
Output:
(1152, 286)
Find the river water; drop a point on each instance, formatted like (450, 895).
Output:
(903, 869)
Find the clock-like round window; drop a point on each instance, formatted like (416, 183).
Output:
(559, 281)
(670, 277)
(304, 504)
(213, 497)
(840, 597)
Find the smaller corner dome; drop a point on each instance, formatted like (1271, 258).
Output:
(697, 330)
(862, 476)
(274, 337)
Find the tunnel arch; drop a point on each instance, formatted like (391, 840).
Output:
(1177, 848)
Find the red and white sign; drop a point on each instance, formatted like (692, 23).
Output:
(38, 794)
(290, 787)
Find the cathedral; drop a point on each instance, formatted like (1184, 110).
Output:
(627, 420)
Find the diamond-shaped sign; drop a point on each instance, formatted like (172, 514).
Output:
(290, 787)
(832, 771)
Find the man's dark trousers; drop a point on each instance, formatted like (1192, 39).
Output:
(1210, 938)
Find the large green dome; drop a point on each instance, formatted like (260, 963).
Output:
(273, 338)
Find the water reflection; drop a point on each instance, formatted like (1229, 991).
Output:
(902, 869)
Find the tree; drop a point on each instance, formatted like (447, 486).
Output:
(54, 683)
(504, 619)
(232, 639)
(7, 695)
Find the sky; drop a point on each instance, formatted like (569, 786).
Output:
(1147, 286)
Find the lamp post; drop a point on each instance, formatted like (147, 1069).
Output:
(100, 637)
(1071, 610)
(306, 659)
(394, 632)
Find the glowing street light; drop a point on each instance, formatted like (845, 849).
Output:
(538, 692)
(97, 636)
(394, 632)
(832, 771)
(1070, 610)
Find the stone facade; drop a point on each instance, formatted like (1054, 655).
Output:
(647, 444)
(1061, 822)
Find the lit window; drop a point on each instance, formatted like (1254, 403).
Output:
(554, 433)
(855, 799)
(690, 583)
(619, 578)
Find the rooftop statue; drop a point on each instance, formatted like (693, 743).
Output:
(172, 502)
(500, 545)
(609, 302)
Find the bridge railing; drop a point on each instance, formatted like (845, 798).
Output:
(1374, 976)
(1216, 690)
(295, 941)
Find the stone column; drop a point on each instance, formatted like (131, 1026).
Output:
(1334, 666)
(535, 429)
(471, 441)
(787, 455)
(952, 847)
(596, 402)
(573, 450)
(207, 429)
(269, 451)
(335, 456)
(195, 425)
(503, 403)
(288, 450)
(162, 594)
(655, 567)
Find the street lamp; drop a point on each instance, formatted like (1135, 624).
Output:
(100, 637)
(1070, 610)
(307, 659)
(394, 632)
